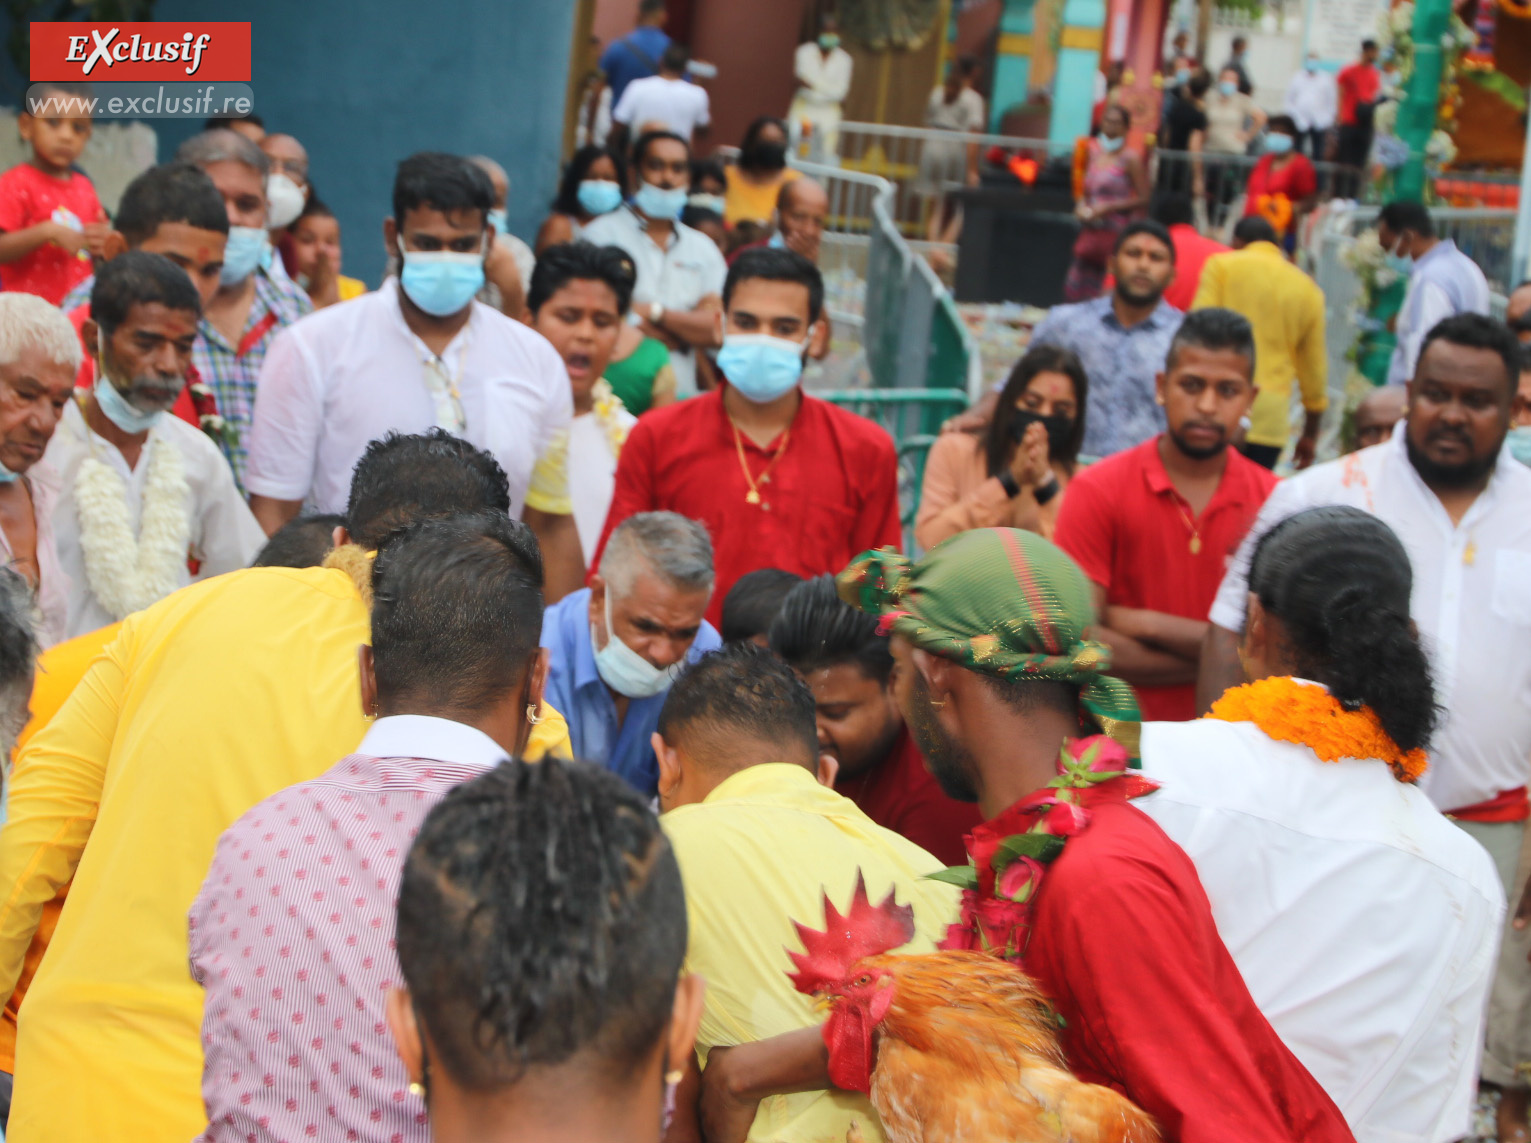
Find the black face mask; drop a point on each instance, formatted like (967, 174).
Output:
(765, 157)
(1060, 430)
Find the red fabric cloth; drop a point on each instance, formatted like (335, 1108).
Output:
(1357, 83)
(831, 496)
(27, 197)
(1191, 254)
(1509, 806)
(86, 377)
(1124, 943)
(1297, 180)
(1130, 531)
(901, 794)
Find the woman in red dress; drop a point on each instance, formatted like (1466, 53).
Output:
(1283, 186)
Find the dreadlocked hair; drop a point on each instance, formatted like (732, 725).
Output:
(541, 915)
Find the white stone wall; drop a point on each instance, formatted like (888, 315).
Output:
(119, 150)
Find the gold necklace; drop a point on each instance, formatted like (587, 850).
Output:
(753, 495)
(1190, 522)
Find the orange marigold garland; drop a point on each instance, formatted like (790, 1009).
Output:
(1308, 715)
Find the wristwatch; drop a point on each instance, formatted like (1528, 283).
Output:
(656, 313)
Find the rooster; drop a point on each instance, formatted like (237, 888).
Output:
(952, 1047)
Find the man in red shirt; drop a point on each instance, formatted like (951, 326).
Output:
(1359, 85)
(779, 478)
(1153, 527)
(1192, 250)
(847, 665)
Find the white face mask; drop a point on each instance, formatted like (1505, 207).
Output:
(284, 201)
(624, 670)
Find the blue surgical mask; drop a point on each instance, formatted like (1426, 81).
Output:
(777, 242)
(441, 282)
(1278, 144)
(1520, 443)
(624, 670)
(1111, 145)
(829, 41)
(712, 202)
(246, 247)
(599, 196)
(761, 367)
(7, 476)
(1402, 264)
(125, 416)
(496, 219)
(658, 203)
(1228, 88)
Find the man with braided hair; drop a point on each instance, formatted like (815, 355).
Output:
(1000, 688)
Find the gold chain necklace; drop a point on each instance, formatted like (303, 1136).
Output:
(753, 495)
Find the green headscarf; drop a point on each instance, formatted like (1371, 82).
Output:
(1001, 601)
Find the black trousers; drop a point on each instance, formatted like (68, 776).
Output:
(1355, 144)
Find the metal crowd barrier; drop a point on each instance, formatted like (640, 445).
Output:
(1222, 180)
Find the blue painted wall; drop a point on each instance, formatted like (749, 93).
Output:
(364, 84)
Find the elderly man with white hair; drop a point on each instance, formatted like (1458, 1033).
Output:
(39, 357)
(615, 647)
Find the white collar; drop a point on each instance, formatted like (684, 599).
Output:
(454, 348)
(425, 736)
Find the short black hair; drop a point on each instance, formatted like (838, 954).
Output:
(752, 603)
(1368, 45)
(170, 192)
(649, 138)
(1283, 123)
(315, 207)
(742, 691)
(1144, 226)
(1173, 210)
(817, 629)
(226, 122)
(1403, 214)
(404, 478)
(302, 542)
(776, 265)
(443, 182)
(649, 7)
(1254, 228)
(675, 58)
(578, 169)
(567, 262)
(707, 169)
(1476, 331)
(1214, 328)
(541, 916)
(456, 611)
(137, 277)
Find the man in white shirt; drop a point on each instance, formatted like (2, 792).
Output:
(1447, 485)
(667, 99)
(823, 71)
(679, 295)
(417, 353)
(1312, 102)
(1442, 281)
(142, 489)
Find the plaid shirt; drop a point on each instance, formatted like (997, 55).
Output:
(277, 304)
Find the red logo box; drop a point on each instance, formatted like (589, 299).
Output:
(167, 52)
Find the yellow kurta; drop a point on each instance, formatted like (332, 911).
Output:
(212, 699)
(757, 854)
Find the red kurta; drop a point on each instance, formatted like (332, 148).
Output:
(901, 794)
(831, 496)
(1124, 943)
(1130, 531)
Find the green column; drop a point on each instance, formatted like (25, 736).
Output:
(1416, 113)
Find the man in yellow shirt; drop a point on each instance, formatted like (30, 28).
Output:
(1286, 309)
(209, 701)
(761, 837)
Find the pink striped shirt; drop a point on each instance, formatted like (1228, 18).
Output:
(292, 939)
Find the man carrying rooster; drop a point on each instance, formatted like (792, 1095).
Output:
(1070, 883)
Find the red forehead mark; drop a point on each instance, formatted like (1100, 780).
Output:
(202, 253)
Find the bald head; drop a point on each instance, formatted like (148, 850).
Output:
(497, 177)
(287, 156)
(802, 208)
(1378, 413)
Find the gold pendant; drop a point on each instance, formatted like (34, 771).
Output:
(752, 497)
(1470, 554)
(1195, 545)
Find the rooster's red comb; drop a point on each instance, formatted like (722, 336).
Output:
(865, 930)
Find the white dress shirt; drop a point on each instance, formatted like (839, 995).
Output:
(825, 80)
(343, 377)
(592, 475)
(677, 276)
(1471, 602)
(1444, 282)
(680, 106)
(1311, 100)
(224, 535)
(1365, 924)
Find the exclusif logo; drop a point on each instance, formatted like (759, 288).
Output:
(168, 52)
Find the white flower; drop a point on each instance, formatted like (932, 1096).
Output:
(127, 574)
(1441, 149)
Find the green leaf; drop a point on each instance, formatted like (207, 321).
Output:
(962, 876)
(1043, 847)
(1501, 85)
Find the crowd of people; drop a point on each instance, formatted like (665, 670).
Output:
(450, 710)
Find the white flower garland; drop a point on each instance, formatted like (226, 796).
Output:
(127, 574)
(607, 409)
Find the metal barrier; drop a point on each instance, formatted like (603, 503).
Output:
(1217, 183)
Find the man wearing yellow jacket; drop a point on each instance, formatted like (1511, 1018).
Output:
(211, 700)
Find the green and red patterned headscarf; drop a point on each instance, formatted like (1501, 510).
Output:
(1000, 601)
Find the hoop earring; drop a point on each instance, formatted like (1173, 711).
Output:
(531, 714)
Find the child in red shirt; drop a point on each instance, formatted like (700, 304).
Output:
(51, 221)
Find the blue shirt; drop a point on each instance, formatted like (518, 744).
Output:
(575, 690)
(622, 64)
(1120, 362)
